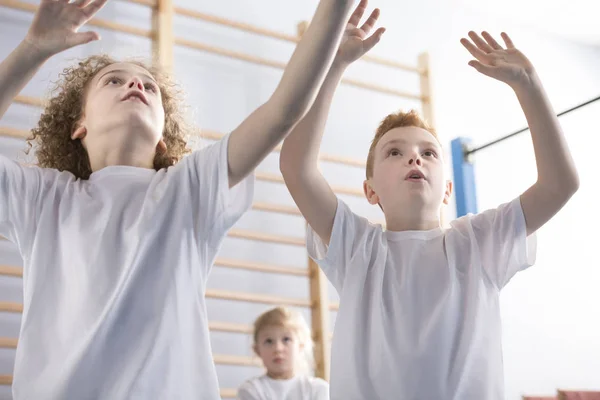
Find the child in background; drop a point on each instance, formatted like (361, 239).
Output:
(283, 341)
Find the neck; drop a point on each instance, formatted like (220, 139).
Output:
(412, 221)
(281, 375)
(139, 155)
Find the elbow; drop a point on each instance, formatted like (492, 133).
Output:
(564, 187)
(575, 182)
(292, 166)
(289, 111)
(570, 185)
(286, 164)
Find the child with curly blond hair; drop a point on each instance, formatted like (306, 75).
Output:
(117, 229)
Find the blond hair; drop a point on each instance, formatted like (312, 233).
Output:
(293, 320)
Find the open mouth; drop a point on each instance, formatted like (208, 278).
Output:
(135, 96)
(415, 175)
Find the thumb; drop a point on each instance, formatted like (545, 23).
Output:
(372, 40)
(82, 38)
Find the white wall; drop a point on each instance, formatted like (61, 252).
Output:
(550, 312)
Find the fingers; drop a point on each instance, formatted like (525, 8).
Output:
(358, 13)
(479, 42)
(482, 68)
(372, 40)
(92, 8)
(491, 41)
(507, 41)
(370, 23)
(474, 50)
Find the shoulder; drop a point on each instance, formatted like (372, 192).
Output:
(317, 385)
(249, 389)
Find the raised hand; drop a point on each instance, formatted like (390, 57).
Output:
(356, 41)
(508, 64)
(56, 23)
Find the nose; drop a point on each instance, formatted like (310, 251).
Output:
(136, 83)
(279, 345)
(415, 160)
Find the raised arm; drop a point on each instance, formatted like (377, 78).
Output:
(300, 152)
(258, 135)
(557, 177)
(54, 29)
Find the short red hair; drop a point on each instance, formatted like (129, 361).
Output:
(396, 120)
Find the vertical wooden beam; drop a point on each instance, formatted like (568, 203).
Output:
(427, 107)
(320, 320)
(319, 303)
(163, 39)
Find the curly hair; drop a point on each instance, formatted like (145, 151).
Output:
(51, 138)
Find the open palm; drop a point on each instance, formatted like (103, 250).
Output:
(508, 64)
(356, 41)
(56, 24)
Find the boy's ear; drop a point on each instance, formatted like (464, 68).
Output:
(370, 194)
(448, 192)
(79, 133)
(255, 349)
(161, 147)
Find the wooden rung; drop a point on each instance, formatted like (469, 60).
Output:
(22, 6)
(236, 25)
(8, 270)
(334, 306)
(11, 307)
(277, 178)
(278, 208)
(228, 393)
(149, 3)
(229, 53)
(6, 379)
(13, 132)
(255, 298)
(230, 327)
(260, 267)
(382, 89)
(8, 343)
(29, 101)
(265, 237)
(237, 360)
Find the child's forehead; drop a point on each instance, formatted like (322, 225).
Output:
(408, 135)
(274, 330)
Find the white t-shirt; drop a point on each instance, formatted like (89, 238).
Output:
(419, 311)
(115, 269)
(300, 387)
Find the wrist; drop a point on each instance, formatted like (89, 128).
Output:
(338, 67)
(530, 81)
(32, 52)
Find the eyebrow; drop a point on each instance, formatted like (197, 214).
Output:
(121, 71)
(427, 143)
